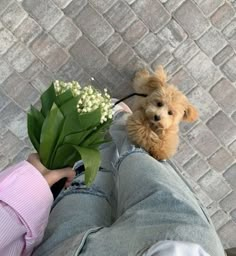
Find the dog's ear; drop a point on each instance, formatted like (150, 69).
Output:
(158, 80)
(161, 75)
(190, 113)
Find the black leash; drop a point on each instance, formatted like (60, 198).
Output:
(128, 96)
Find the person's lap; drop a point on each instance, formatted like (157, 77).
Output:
(136, 199)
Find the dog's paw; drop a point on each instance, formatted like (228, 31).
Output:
(158, 154)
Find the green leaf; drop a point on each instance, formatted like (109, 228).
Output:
(70, 106)
(34, 124)
(64, 97)
(96, 136)
(76, 138)
(76, 122)
(47, 100)
(33, 131)
(92, 160)
(50, 133)
(66, 155)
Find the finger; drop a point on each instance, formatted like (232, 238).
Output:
(53, 176)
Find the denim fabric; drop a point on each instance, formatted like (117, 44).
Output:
(134, 202)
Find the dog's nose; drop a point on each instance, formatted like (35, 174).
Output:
(157, 118)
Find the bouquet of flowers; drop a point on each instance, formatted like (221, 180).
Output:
(70, 126)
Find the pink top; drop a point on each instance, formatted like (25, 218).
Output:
(25, 203)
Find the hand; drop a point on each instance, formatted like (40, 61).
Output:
(51, 176)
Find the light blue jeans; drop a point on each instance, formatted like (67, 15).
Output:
(134, 202)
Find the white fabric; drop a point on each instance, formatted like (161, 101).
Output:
(175, 248)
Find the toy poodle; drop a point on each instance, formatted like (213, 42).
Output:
(154, 123)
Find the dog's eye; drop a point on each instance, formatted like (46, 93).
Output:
(159, 104)
(170, 113)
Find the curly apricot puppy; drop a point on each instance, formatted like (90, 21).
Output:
(154, 124)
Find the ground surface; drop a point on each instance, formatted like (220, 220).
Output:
(195, 40)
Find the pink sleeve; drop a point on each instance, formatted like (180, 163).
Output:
(25, 203)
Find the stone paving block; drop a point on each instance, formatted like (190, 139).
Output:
(5, 70)
(111, 75)
(221, 160)
(219, 219)
(203, 140)
(213, 208)
(93, 62)
(135, 32)
(62, 3)
(223, 128)
(6, 39)
(203, 196)
(223, 16)
(3, 163)
(4, 100)
(185, 127)
(152, 12)
(183, 81)
(230, 33)
(20, 91)
(71, 70)
(209, 6)
(149, 47)
(103, 5)
(214, 185)
(42, 80)
(130, 1)
(27, 96)
(229, 70)
(163, 59)
(18, 126)
(203, 70)
(233, 116)
(23, 154)
(53, 55)
(228, 234)
(65, 32)
(73, 9)
(172, 67)
(230, 175)
(3, 5)
(13, 85)
(10, 145)
(13, 16)
(133, 65)
(8, 114)
(232, 148)
(223, 55)
(28, 30)
(46, 13)
(233, 215)
(172, 5)
(212, 42)
(203, 102)
(191, 19)
(186, 51)
(93, 25)
(184, 152)
(196, 167)
(36, 67)
(120, 16)
(172, 35)
(224, 93)
(111, 44)
(19, 57)
(228, 203)
(121, 56)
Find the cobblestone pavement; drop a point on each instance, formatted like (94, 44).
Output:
(195, 40)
